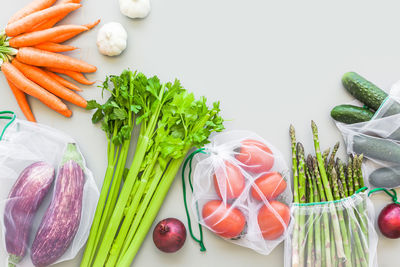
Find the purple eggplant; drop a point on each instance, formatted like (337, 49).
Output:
(62, 218)
(23, 201)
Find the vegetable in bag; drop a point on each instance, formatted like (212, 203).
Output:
(28, 154)
(62, 218)
(24, 199)
(241, 191)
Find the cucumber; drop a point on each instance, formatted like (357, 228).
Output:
(387, 177)
(363, 90)
(351, 114)
(376, 148)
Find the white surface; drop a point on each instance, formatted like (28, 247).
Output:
(271, 63)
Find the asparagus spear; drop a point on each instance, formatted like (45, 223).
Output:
(325, 156)
(295, 241)
(350, 176)
(325, 236)
(328, 192)
(310, 230)
(343, 228)
(355, 173)
(302, 197)
(317, 224)
(342, 175)
(334, 151)
(359, 171)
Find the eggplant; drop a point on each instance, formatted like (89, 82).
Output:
(62, 218)
(24, 200)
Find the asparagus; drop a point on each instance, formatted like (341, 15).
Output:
(317, 226)
(328, 192)
(310, 237)
(342, 175)
(343, 228)
(355, 173)
(325, 156)
(302, 198)
(350, 186)
(326, 257)
(295, 241)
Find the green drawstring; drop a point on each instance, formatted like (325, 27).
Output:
(11, 118)
(393, 195)
(333, 201)
(189, 160)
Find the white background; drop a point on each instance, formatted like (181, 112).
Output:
(270, 63)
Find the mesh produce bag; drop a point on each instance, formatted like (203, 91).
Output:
(378, 141)
(241, 190)
(33, 157)
(336, 233)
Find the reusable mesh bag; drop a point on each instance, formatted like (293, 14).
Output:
(241, 191)
(378, 141)
(336, 233)
(26, 146)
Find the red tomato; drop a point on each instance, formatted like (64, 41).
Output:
(222, 221)
(229, 181)
(271, 185)
(255, 156)
(270, 225)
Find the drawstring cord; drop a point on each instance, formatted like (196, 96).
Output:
(11, 118)
(392, 193)
(189, 160)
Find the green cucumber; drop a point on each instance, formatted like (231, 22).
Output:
(351, 114)
(363, 90)
(376, 148)
(368, 93)
(387, 177)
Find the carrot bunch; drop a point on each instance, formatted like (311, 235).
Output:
(30, 59)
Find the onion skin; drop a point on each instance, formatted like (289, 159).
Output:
(169, 235)
(389, 221)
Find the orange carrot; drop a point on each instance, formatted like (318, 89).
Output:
(77, 76)
(41, 58)
(53, 47)
(32, 7)
(67, 113)
(27, 86)
(40, 77)
(67, 36)
(38, 37)
(26, 23)
(62, 81)
(22, 102)
(51, 22)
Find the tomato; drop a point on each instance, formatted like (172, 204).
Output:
(270, 225)
(255, 156)
(222, 221)
(271, 185)
(229, 181)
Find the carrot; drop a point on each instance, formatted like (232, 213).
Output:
(22, 102)
(26, 23)
(77, 76)
(40, 77)
(67, 36)
(41, 58)
(51, 22)
(63, 81)
(53, 47)
(27, 86)
(34, 38)
(67, 113)
(32, 7)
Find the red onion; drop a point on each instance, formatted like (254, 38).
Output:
(169, 235)
(389, 221)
